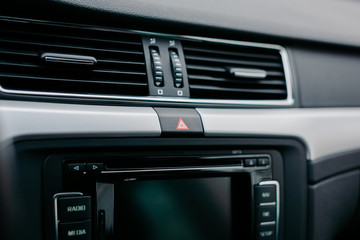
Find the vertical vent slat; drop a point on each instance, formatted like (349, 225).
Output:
(119, 70)
(210, 68)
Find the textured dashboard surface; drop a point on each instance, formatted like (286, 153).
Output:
(332, 21)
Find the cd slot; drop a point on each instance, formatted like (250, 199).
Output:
(168, 163)
(183, 163)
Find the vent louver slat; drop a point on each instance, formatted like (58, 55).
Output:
(210, 65)
(119, 68)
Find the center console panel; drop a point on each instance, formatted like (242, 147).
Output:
(164, 188)
(193, 194)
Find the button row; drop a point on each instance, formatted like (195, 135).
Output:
(81, 168)
(74, 217)
(266, 211)
(260, 162)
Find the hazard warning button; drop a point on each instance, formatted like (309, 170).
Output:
(179, 121)
(181, 125)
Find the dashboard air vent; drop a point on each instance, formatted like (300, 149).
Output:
(234, 72)
(50, 58)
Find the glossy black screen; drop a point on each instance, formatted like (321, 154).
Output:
(174, 209)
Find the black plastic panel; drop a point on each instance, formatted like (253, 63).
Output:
(26, 170)
(332, 165)
(327, 77)
(332, 205)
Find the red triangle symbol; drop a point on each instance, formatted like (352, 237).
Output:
(182, 125)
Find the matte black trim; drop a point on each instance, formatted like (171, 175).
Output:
(333, 203)
(333, 165)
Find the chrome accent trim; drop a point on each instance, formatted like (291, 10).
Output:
(283, 53)
(185, 169)
(29, 119)
(218, 168)
(267, 204)
(56, 197)
(323, 131)
(238, 156)
(267, 223)
(277, 186)
(248, 73)
(68, 59)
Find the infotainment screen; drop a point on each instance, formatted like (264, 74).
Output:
(199, 206)
(174, 209)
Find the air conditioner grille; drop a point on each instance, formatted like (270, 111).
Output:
(120, 67)
(208, 65)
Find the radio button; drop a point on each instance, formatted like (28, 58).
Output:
(265, 194)
(74, 208)
(75, 230)
(265, 214)
(266, 232)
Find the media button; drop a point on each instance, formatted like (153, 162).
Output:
(75, 230)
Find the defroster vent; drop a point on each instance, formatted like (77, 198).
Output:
(234, 71)
(49, 58)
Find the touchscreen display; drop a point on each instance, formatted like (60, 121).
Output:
(174, 209)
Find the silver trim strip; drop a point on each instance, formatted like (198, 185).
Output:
(277, 186)
(56, 197)
(267, 223)
(248, 73)
(238, 156)
(288, 76)
(324, 131)
(204, 169)
(34, 118)
(267, 204)
(68, 58)
(229, 168)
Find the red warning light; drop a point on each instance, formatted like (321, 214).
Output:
(182, 125)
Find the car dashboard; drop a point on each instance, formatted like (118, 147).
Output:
(179, 119)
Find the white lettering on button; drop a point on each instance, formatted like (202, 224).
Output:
(78, 232)
(79, 208)
(266, 214)
(266, 233)
(265, 194)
